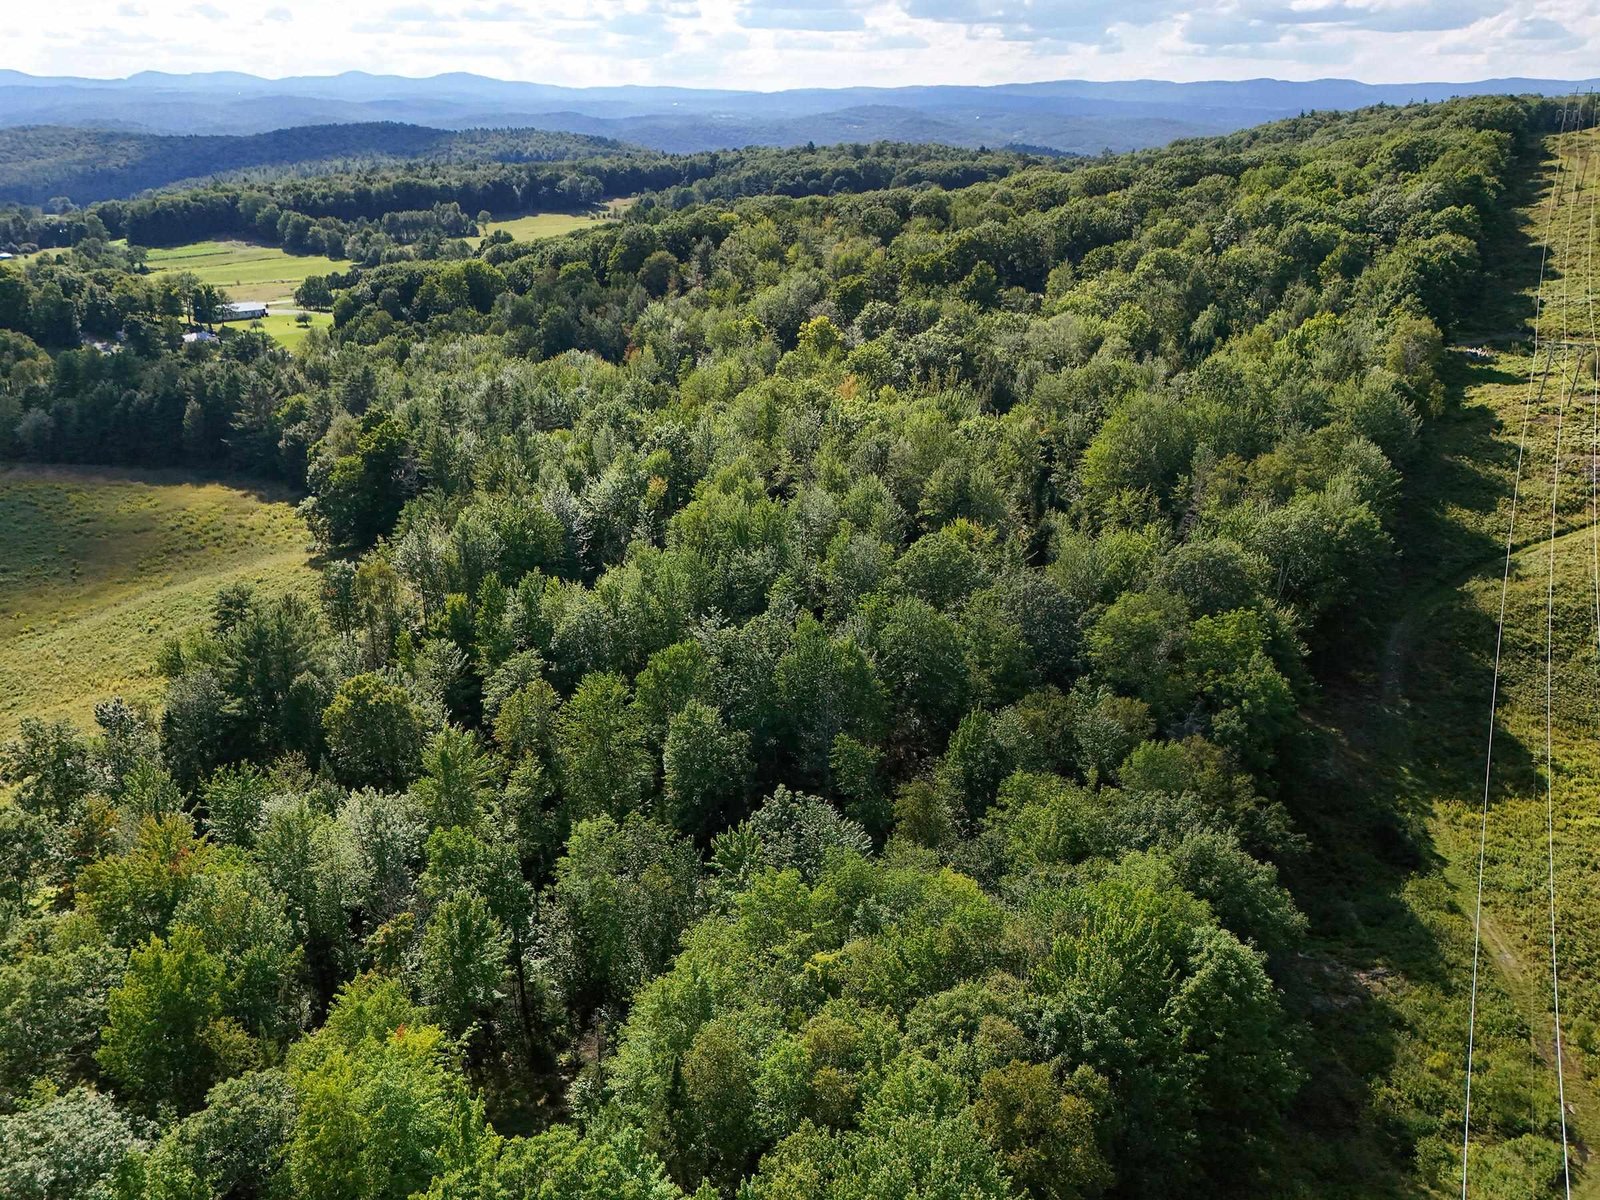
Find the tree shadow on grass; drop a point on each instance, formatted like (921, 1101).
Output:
(267, 491)
(1512, 256)
(1402, 726)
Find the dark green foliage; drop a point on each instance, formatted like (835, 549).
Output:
(623, 894)
(359, 498)
(47, 161)
(373, 732)
(74, 1145)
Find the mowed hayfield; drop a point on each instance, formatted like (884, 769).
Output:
(286, 327)
(244, 270)
(99, 567)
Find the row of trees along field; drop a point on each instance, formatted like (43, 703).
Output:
(351, 214)
(796, 704)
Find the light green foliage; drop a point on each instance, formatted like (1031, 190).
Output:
(1045, 1133)
(673, 677)
(380, 1108)
(134, 895)
(166, 1039)
(914, 1156)
(561, 1164)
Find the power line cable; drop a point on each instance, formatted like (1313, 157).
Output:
(1564, 394)
(1535, 377)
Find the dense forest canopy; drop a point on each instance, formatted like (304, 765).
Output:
(799, 687)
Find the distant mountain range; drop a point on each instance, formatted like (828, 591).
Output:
(1066, 115)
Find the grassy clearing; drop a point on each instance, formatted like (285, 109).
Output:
(1396, 783)
(534, 226)
(245, 270)
(541, 225)
(285, 327)
(250, 272)
(99, 567)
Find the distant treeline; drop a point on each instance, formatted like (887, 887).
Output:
(45, 164)
(322, 214)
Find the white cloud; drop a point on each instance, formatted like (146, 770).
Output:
(786, 43)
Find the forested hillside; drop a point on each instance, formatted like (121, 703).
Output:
(42, 163)
(373, 214)
(809, 696)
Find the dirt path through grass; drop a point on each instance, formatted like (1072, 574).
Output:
(1394, 789)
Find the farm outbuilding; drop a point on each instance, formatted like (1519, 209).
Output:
(244, 310)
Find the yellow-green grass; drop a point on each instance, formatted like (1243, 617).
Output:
(286, 327)
(1411, 741)
(534, 226)
(244, 270)
(541, 225)
(99, 567)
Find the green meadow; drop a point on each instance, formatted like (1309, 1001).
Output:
(99, 567)
(534, 226)
(244, 270)
(287, 329)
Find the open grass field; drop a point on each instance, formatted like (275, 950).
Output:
(251, 272)
(541, 225)
(286, 328)
(534, 226)
(99, 567)
(245, 270)
(1402, 765)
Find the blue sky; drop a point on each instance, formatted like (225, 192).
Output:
(789, 43)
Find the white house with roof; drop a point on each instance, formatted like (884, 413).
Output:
(243, 310)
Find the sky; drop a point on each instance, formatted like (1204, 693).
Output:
(770, 44)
